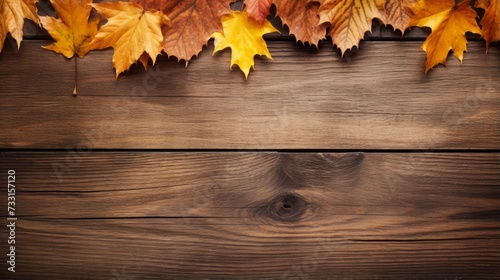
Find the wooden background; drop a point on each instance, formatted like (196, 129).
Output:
(317, 167)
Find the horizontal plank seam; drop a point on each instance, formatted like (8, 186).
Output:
(417, 240)
(290, 151)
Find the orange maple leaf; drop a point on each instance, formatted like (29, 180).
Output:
(398, 13)
(72, 30)
(449, 22)
(302, 19)
(192, 23)
(258, 9)
(244, 36)
(130, 31)
(349, 19)
(490, 21)
(12, 15)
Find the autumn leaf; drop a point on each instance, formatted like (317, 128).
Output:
(398, 13)
(12, 15)
(192, 23)
(302, 19)
(144, 59)
(72, 30)
(449, 22)
(491, 20)
(244, 36)
(349, 19)
(130, 31)
(258, 9)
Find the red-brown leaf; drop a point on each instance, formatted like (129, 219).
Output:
(302, 19)
(192, 22)
(258, 9)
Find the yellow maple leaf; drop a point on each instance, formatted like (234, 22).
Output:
(490, 21)
(71, 31)
(449, 22)
(244, 36)
(130, 31)
(12, 15)
(349, 19)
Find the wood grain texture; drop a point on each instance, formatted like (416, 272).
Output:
(256, 215)
(189, 215)
(377, 98)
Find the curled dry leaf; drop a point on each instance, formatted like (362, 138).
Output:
(244, 36)
(302, 19)
(349, 19)
(449, 22)
(130, 31)
(12, 15)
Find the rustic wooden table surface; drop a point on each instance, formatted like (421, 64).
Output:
(317, 167)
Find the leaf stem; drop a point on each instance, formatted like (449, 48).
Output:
(76, 75)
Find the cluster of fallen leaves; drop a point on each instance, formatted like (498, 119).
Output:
(140, 30)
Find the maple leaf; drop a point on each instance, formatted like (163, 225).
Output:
(244, 36)
(490, 21)
(398, 13)
(302, 19)
(258, 9)
(130, 31)
(449, 22)
(349, 19)
(192, 23)
(71, 31)
(12, 15)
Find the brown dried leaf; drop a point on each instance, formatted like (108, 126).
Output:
(192, 22)
(398, 13)
(258, 9)
(302, 19)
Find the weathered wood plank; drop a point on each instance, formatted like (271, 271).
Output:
(256, 215)
(377, 98)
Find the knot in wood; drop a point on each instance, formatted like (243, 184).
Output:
(288, 207)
